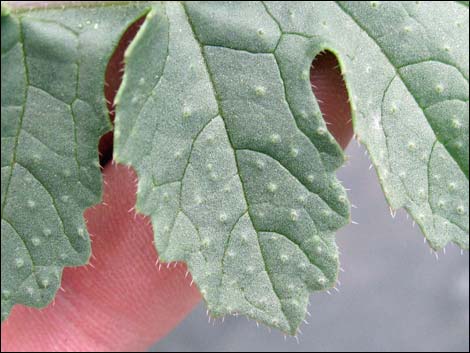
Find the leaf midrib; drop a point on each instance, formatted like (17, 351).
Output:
(220, 113)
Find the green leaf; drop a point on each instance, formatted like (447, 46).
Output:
(406, 67)
(235, 163)
(53, 113)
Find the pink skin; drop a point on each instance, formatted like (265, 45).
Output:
(122, 301)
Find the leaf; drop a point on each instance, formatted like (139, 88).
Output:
(235, 163)
(406, 67)
(53, 113)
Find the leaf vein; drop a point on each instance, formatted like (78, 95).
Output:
(397, 71)
(236, 160)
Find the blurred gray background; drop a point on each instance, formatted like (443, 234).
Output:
(394, 294)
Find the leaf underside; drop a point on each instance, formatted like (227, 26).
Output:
(234, 161)
(235, 166)
(53, 114)
(408, 79)
(217, 117)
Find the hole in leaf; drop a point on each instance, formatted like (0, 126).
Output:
(113, 79)
(330, 90)
(325, 76)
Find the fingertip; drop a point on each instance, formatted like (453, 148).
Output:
(123, 300)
